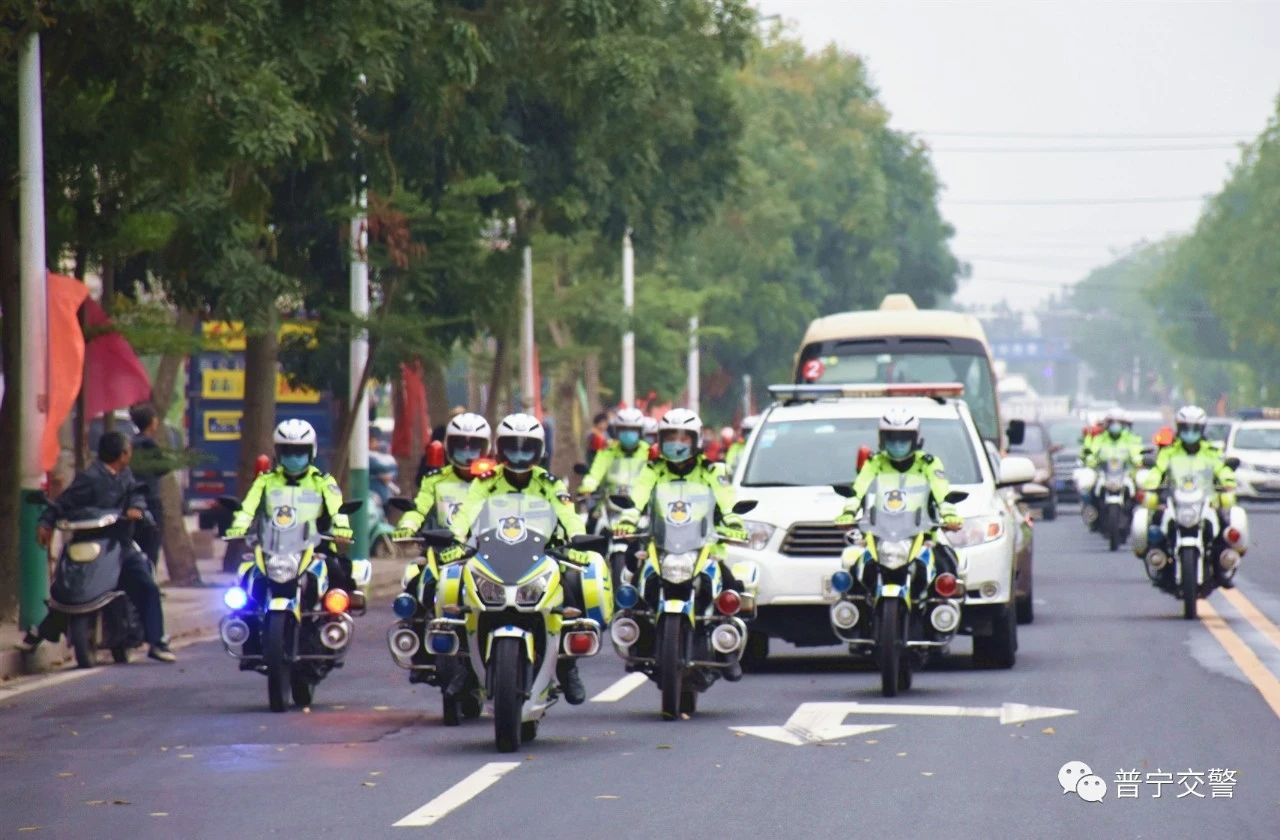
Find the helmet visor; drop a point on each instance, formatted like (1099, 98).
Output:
(293, 449)
(519, 452)
(463, 451)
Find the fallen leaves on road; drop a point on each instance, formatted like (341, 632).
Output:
(608, 796)
(664, 746)
(306, 710)
(159, 813)
(1049, 730)
(107, 717)
(902, 755)
(381, 708)
(29, 828)
(871, 741)
(369, 784)
(121, 802)
(65, 775)
(925, 773)
(375, 772)
(95, 802)
(187, 755)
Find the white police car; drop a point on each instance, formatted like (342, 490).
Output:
(810, 440)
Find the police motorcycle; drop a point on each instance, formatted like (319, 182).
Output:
(284, 620)
(678, 624)
(1188, 535)
(85, 588)
(601, 512)
(912, 611)
(501, 610)
(1114, 492)
(407, 636)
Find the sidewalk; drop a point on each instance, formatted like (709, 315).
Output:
(190, 614)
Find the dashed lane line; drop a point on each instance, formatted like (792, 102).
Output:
(620, 689)
(458, 795)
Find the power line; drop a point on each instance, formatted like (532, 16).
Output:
(1072, 150)
(1047, 135)
(1047, 202)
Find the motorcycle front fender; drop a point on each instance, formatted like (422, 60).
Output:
(511, 632)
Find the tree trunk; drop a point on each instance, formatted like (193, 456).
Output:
(563, 397)
(108, 294)
(497, 381)
(179, 552)
(261, 353)
(591, 370)
(433, 378)
(10, 351)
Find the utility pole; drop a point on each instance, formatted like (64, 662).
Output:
(628, 309)
(33, 375)
(746, 396)
(694, 364)
(527, 379)
(358, 462)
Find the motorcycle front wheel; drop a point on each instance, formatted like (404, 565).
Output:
(80, 633)
(888, 646)
(1113, 526)
(670, 664)
(1189, 558)
(275, 656)
(506, 666)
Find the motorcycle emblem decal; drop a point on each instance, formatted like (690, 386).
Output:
(678, 512)
(283, 517)
(451, 510)
(512, 530)
(1189, 483)
(894, 501)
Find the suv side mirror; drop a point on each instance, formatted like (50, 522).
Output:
(1015, 470)
(1016, 432)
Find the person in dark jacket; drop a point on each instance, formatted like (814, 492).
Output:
(109, 483)
(149, 466)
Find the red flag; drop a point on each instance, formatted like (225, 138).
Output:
(66, 358)
(411, 412)
(114, 378)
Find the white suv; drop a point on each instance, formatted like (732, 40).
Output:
(801, 448)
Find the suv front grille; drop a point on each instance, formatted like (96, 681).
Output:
(814, 539)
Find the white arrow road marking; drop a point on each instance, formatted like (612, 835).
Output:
(461, 793)
(620, 689)
(815, 722)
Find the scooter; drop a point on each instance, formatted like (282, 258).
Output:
(284, 620)
(86, 586)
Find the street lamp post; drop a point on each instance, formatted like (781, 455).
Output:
(694, 364)
(358, 462)
(628, 309)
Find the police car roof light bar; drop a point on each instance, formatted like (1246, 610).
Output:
(939, 391)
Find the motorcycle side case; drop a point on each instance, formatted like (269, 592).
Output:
(1138, 530)
(1238, 517)
(597, 590)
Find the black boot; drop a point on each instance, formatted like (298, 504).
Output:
(571, 685)
(450, 710)
(734, 672)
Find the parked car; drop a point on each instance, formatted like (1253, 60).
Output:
(1065, 433)
(1257, 444)
(1038, 446)
(1218, 429)
(803, 447)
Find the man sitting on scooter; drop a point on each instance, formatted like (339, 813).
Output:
(108, 483)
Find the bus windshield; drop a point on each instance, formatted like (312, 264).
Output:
(851, 363)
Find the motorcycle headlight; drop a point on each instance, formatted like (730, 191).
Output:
(490, 591)
(1115, 482)
(893, 554)
(678, 568)
(529, 594)
(1188, 516)
(758, 534)
(283, 568)
(976, 531)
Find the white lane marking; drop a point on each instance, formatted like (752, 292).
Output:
(812, 723)
(461, 793)
(620, 689)
(37, 681)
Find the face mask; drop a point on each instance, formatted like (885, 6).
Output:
(898, 449)
(676, 450)
(520, 456)
(1189, 436)
(629, 438)
(294, 464)
(464, 456)
(1115, 429)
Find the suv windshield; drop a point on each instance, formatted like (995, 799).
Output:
(1257, 438)
(805, 453)
(1032, 441)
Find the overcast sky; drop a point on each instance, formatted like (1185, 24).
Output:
(1081, 84)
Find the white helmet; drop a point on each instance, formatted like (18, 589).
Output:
(521, 441)
(899, 433)
(295, 437)
(466, 438)
(680, 420)
(629, 418)
(749, 424)
(650, 430)
(1191, 421)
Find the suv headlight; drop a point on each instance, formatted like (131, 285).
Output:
(529, 594)
(678, 568)
(976, 531)
(283, 568)
(893, 554)
(490, 591)
(758, 533)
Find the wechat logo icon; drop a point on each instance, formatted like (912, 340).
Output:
(1077, 777)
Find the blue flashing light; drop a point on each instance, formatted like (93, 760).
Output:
(626, 597)
(441, 643)
(841, 581)
(404, 606)
(235, 598)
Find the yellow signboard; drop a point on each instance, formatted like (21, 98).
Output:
(228, 336)
(222, 425)
(229, 385)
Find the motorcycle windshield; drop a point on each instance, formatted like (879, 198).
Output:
(1191, 483)
(900, 509)
(512, 532)
(623, 473)
(292, 539)
(683, 516)
(288, 520)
